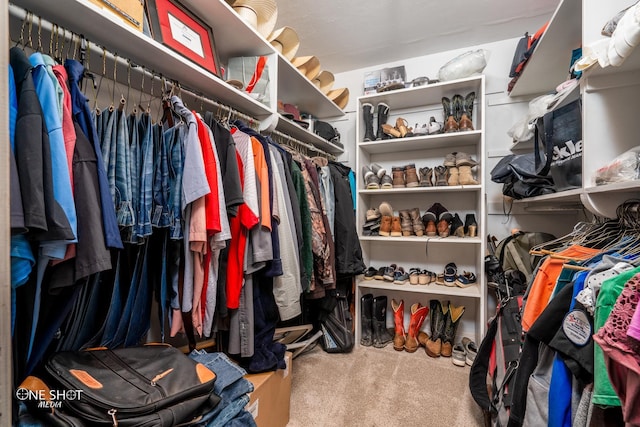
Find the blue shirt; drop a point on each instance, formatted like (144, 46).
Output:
(82, 114)
(61, 179)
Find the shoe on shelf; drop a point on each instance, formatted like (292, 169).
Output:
(386, 182)
(398, 177)
(450, 274)
(403, 127)
(441, 176)
(405, 222)
(466, 279)
(465, 176)
(464, 159)
(371, 180)
(426, 277)
(453, 176)
(380, 273)
(410, 175)
(470, 226)
(465, 123)
(420, 130)
(396, 227)
(444, 224)
(367, 115)
(385, 226)
(426, 175)
(373, 214)
(391, 131)
(471, 350)
(371, 228)
(400, 277)
(450, 122)
(450, 159)
(389, 271)
(385, 209)
(370, 273)
(457, 228)
(383, 113)
(439, 279)
(378, 170)
(434, 127)
(458, 355)
(416, 221)
(414, 276)
(457, 106)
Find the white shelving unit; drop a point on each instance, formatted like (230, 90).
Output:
(232, 38)
(431, 253)
(608, 96)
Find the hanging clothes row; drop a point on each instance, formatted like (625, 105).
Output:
(220, 227)
(581, 355)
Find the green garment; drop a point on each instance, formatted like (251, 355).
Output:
(306, 252)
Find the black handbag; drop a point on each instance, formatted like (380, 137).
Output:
(154, 385)
(560, 133)
(327, 131)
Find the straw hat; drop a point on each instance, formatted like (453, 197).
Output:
(260, 14)
(286, 41)
(339, 96)
(307, 65)
(324, 81)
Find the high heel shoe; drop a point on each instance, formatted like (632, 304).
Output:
(402, 127)
(457, 228)
(470, 225)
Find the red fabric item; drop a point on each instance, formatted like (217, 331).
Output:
(212, 200)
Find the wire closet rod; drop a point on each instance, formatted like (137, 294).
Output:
(69, 35)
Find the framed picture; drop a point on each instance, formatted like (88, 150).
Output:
(175, 26)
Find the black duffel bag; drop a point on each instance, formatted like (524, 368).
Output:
(154, 385)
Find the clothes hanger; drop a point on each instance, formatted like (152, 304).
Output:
(104, 72)
(39, 46)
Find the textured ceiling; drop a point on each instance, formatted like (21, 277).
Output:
(352, 34)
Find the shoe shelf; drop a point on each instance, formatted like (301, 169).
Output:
(410, 190)
(452, 140)
(432, 288)
(424, 239)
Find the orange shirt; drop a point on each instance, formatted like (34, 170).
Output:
(262, 172)
(545, 281)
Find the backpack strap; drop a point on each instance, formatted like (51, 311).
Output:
(480, 368)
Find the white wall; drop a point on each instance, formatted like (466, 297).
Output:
(501, 113)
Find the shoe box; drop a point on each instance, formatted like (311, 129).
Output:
(270, 399)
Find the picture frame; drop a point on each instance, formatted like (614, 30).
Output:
(175, 26)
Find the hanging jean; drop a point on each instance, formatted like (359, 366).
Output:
(174, 138)
(160, 277)
(141, 312)
(108, 146)
(124, 210)
(160, 217)
(134, 171)
(116, 303)
(144, 198)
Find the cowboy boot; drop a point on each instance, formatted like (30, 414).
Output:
(381, 336)
(438, 313)
(457, 103)
(418, 226)
(418, 314)
(399, 335)
(466, 121)
(367, 115)
(366, 320)
(383, 114)
(451, 326)
(450, 123)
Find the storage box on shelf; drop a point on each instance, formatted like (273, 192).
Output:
(432, 253)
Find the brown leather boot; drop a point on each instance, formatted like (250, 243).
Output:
(385, 226)
(437, 318)
(444, 223)
(399, 335)
(418, 226)
(453, 176)
(418, 314)
(465, 176)
(410, 175)
(426, 177)
(396, 227)
(398, 177)
(450, 327)
(441, 176)
(406, 223)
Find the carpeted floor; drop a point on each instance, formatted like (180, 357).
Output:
(372, 387)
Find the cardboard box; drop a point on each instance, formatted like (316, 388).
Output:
(383, 77)
(270, 399)
(130, 11)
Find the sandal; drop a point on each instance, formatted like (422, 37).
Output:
(439, 279)
(414, 276)
(466, 279)
(426, 277)
(450, 274)
(403, 127)
(391, 131)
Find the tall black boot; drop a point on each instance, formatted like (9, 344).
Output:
(381, 336)
(438, 313)
(450, 327)
(367, 115)
(366, 320)
(383, 114)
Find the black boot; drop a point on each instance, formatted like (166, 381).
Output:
(452, 321)
(470, 226)
(366, 320)
(437, 315)
(383, 114)
(381, 336)
(367, 115)
(457, 228)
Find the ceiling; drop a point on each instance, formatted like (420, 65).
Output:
(352, 34)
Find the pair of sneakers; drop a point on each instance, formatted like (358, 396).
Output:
(376, 177)
(394, 274)
(464, 352)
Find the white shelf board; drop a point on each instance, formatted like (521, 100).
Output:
(294, 88)
(453, 139)
(290, 128)
(569, 196)
(424, 239)
(432, 288)
(424, 95)
(616, 187)
(106, 29)
(548, 65)
(409, 190)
